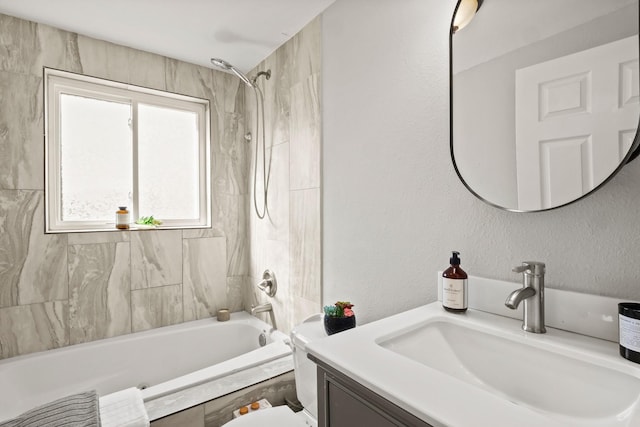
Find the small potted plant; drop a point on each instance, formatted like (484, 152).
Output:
(147, 222)
(339, 317)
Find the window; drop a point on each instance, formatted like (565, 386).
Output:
(110, 144)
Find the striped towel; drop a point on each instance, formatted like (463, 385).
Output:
(123, 408)
(78, 410)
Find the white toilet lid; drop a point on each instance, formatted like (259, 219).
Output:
(278, 416)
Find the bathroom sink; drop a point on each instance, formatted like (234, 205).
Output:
(521, 368)
(480, 368)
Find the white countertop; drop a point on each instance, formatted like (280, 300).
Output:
(443, 400)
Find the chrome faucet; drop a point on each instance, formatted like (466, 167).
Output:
(263, 308)
(532, 293)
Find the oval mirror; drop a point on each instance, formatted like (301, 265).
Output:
(544, 98)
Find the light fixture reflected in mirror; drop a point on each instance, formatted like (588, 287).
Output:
(464, 13)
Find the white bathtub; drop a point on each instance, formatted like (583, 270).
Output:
(164, 360)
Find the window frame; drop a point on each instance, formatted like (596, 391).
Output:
(58, 82)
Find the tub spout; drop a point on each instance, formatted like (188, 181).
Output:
(263, 308)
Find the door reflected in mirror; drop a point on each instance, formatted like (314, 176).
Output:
(544, 99)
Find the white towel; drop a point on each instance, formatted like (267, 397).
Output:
(123, 408)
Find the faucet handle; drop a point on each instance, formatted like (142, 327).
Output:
(268, 283)
(530, 267)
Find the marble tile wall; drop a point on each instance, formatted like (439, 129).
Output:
(62, 289)
(288, 241)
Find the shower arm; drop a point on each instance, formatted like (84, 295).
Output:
(266, 74)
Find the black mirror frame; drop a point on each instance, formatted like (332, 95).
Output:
(634, 151)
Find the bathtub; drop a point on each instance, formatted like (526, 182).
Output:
(161, 361)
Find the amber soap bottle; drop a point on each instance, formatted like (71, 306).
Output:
(122, 218)
(454, 286)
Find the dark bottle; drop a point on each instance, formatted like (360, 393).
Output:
(454, 286)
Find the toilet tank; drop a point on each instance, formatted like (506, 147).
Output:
(305, 370)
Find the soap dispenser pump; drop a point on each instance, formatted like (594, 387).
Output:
(454, 286)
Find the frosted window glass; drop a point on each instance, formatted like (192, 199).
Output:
(96, 158)
(168, 169)
(110, 144)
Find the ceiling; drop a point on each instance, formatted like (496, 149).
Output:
(243, 32)
(503, 26)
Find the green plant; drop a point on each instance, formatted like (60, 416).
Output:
(148, 220)
(339, 309)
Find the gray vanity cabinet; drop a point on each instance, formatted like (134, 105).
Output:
(343, 402)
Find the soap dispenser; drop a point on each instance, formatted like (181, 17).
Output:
(454, 286)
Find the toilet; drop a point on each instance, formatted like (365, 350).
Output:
(305, 378)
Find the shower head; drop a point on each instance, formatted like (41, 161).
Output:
(221, 63)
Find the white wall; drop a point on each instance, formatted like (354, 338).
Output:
(393, 206)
